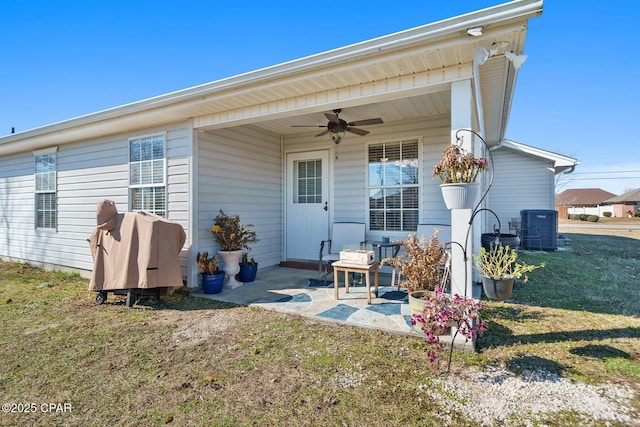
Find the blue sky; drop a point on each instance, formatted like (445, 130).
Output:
(575, 94)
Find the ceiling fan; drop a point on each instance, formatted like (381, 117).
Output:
(337, 127)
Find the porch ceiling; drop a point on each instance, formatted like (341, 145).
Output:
(403, 85)
(390, 111)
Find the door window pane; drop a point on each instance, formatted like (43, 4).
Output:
(307, 181)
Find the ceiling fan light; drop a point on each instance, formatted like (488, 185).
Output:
(336, 137)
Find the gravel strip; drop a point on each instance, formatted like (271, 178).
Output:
(498, 397)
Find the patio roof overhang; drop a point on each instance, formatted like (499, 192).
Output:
(398, 76)
(561, 162)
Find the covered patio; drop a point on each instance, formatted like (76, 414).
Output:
(301, 292)
(415, 92)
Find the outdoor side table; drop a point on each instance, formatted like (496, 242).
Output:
(386, 245)
(339, 266)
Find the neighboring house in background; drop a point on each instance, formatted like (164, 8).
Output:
(625, 204)
(234, 144)
(590, 201)
(524, 178)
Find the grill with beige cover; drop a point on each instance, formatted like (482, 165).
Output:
(136, 253)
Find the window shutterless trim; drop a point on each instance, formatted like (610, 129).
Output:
(149, 162)
(51, 189)
(400, 209)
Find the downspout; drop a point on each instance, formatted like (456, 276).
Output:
(478, 95)
(476, 236)
(194, 203)
(497, 146)
(283, 202)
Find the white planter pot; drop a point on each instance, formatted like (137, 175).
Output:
(461, 195)
(231, 267)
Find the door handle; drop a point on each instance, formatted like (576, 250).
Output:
(326, 208)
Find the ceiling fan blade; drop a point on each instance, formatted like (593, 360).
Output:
(365, 122)
(357, 131)
(308, 126)
(323, 132)
(332, 117)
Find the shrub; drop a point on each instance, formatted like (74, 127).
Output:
(230, 235)
(421, 269)
(585, 217)
(607, 214)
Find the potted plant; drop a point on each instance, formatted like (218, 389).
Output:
(499, 267)
(421, 269)
(212, 277)
(458, 170)
(248, 269)
(443, 311)
(232, 238)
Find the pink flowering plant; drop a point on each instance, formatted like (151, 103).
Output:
(458, 165)
(442, 311)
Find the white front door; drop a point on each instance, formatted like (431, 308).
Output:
(307, 203)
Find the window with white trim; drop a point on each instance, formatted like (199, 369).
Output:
(394, 186)
(147, 172)
(45, 192)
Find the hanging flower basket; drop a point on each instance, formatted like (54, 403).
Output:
(497, 289)
(460, 195)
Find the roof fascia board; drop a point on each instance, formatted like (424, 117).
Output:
(558, 159)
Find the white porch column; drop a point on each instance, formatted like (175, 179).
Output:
(461, 118)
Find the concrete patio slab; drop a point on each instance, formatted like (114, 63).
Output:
(298, 291)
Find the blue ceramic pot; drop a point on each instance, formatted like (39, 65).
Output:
(212, 283)
(247, 272)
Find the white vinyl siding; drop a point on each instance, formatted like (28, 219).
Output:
(520, 182)
(45, 191)
(87, 172)
(147, 171)
(240, 171)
